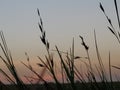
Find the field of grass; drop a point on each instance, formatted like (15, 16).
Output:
(91, 79)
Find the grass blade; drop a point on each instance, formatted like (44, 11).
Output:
(116, 8)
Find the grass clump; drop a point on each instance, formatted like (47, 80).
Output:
(87, 80)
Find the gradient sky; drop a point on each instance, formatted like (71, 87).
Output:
(63, 20)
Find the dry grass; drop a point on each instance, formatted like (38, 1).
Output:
(69, 71)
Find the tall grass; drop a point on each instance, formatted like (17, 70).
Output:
(8, 61)
(87, 80)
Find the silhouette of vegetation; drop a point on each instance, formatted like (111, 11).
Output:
(87, 80)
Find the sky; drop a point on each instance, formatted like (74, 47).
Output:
(63, 20)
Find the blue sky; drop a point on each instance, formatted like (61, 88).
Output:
(63, 20)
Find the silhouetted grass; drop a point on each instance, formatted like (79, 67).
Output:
(8, 61)
(87, 80)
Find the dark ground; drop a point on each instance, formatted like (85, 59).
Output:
(80, 86)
